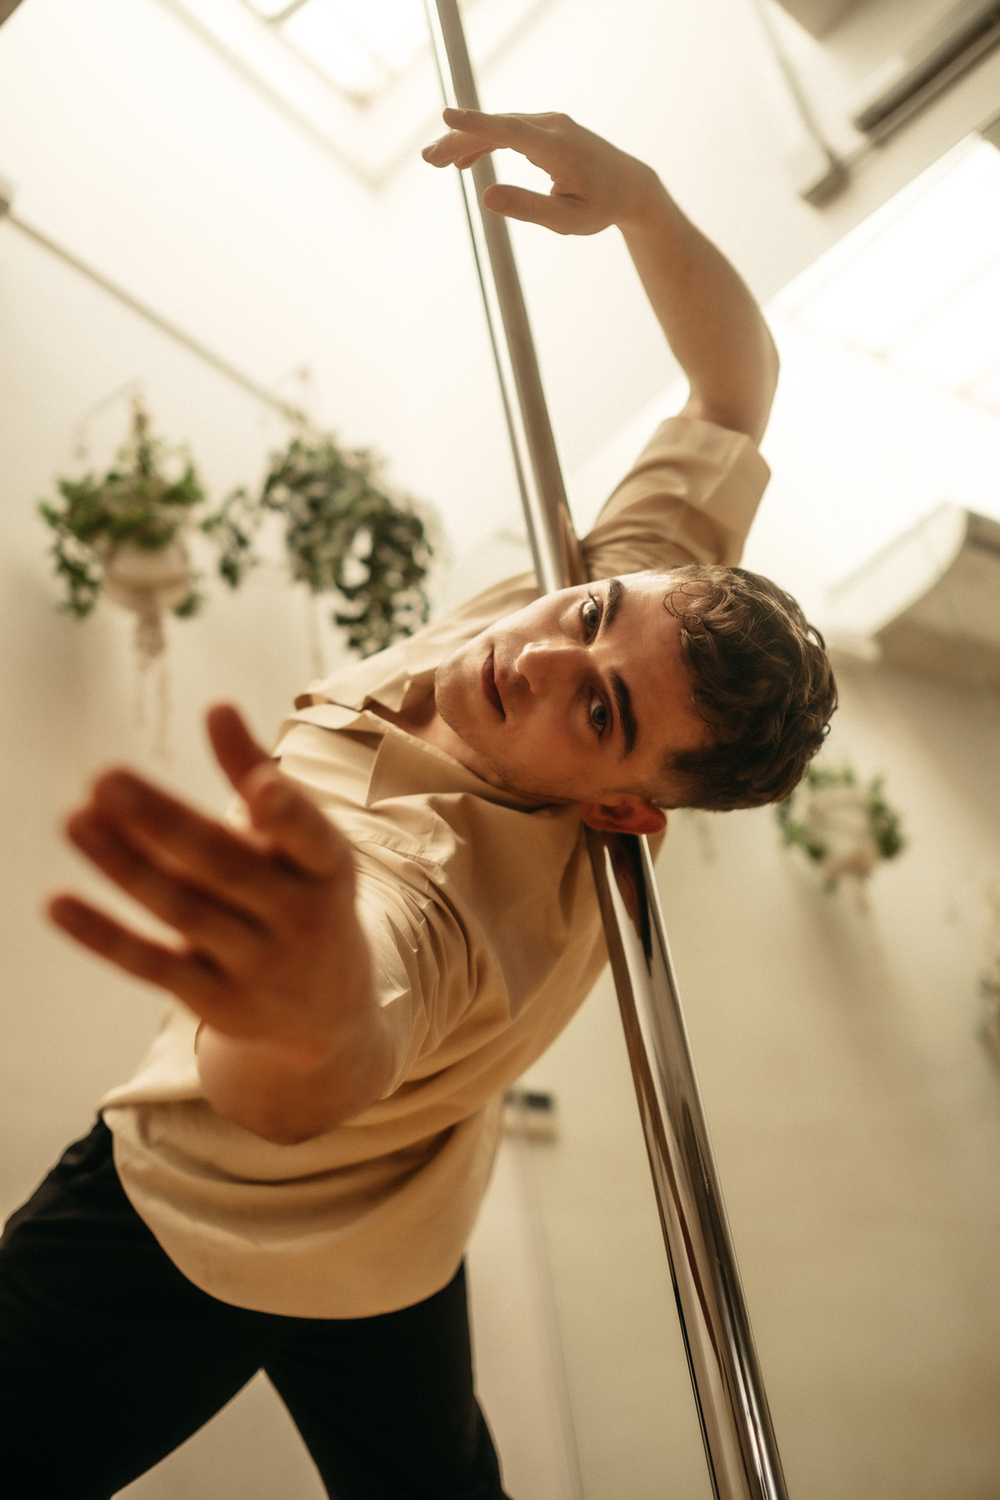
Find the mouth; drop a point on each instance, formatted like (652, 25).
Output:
(489, 686)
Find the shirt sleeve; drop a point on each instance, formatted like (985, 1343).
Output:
(690, 497)
(420, 960)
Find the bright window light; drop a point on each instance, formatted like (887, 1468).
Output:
(394, 30)
(959, 343)
(359, 46)
(918, 284)
(988, 390)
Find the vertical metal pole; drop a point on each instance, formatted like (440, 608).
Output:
(736, 1426)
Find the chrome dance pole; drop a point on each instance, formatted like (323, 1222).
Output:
(736, 1426)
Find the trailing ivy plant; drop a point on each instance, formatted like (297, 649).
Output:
(344, 534)
(802, 825)
(135, 503)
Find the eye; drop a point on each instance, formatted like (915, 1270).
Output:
(599, 716)
(591, 614)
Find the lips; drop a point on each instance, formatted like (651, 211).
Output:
(489, 686)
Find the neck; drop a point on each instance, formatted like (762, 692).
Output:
(423, 721)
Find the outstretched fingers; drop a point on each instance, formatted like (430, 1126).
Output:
(186, 844)
(473, 133)
(295, 828)
(586, 171)
(232, 938)
(267, 938)
(191, 977)
(292, 824)
(234, 746)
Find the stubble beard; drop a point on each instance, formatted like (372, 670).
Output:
(488, 768)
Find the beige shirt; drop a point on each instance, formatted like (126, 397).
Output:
(480, 910)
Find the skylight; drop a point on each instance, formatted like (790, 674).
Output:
(358, 75)
(359, 46)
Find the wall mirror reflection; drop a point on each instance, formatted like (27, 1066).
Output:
(250, 176)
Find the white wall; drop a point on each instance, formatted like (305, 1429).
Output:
(141, 151)
(856, 1118)
(123, 184)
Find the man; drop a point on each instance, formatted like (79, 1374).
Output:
(405, 922)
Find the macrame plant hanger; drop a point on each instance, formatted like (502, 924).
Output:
(740, 1446)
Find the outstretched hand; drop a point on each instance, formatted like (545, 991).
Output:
(268, 944)
(593, 183)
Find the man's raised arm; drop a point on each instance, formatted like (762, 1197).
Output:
(712, 322)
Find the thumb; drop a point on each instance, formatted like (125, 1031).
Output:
(289, 820)
(235, 748)
(557, 213)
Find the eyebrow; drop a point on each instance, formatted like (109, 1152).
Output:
(623, 698)
(616, 593)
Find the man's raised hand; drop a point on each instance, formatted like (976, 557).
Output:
(593, 183)
(711, 320)
(270, 954)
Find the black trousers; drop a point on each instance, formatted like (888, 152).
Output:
(110, 1358)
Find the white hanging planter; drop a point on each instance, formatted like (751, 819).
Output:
(148, 582)
(844, 827)
(125, 535)
(837, 818)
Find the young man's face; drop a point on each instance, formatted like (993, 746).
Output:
(580, 697)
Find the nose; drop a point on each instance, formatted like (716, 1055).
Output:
(549, 663)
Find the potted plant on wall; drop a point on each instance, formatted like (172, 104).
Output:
(124, 535)
(844, 827)
(345, 535)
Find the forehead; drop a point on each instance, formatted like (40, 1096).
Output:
(644, 629)
(643, 645)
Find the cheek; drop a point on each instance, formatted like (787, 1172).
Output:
(548, 742)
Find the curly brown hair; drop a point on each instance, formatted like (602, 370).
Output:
(762, 682)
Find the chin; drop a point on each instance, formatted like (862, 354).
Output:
(459, 702)
(455, 698)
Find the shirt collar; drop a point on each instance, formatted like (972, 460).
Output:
(396, 678)
(405, 766)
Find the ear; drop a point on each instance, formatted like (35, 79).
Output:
(623, 817)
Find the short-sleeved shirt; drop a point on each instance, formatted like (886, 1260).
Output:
(480, 910)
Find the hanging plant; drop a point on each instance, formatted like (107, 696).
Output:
(842, 826)
(344, 535)
(123, 536)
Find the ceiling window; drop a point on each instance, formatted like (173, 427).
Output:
(359, 47)
(358, 75)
